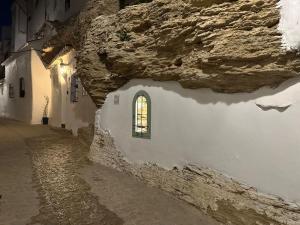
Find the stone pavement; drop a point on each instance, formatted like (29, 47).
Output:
(46, 179)
(138, 204)
(19, 198)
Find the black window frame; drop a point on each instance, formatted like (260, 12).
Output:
(67, 5)
(11, 91)
(22, 87)
(135, 134)
(36, 3)
(54, 5)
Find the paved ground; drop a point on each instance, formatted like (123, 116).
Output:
(46, 179)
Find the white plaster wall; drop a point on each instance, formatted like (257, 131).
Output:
(80, 114)
(37, 17)
(289, 24)
(73, 115)
(229, 133)
(41, 82)
(19, 27)
(55, 113)
(59, 12)
(41, 88)
(17, 108)
(45, 10)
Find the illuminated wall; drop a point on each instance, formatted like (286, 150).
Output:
(29, 108)
(253, 138)
(11, 105)
(73, 115)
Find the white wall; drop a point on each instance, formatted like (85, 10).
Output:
(17, 108)
(19, 26)
(59, 13)
(37, 85)
(289, 24)
(73, 114)
(229, 133)
(46, 10)
(36, 13)
(42, 82)
(41, 88)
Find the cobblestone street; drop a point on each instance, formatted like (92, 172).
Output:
(46, 179)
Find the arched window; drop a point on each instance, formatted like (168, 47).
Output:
(141, 122)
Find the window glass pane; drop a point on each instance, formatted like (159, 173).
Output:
(141, 123)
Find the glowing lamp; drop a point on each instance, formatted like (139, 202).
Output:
(64, 68)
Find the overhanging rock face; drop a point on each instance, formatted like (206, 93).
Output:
(228, 46)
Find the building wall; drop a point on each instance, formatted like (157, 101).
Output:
(56, 97)
(5, 43)
(16, 107)
(253, 138)
(28, 17)
(73, 115)
(19, 25)
(59, 13)
(37, 85)
(42, 82)
(41, 88)
(47, 10)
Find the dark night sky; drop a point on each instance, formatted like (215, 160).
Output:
(5, 12)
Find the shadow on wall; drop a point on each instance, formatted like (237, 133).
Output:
(26, 101)
(287, 91)
(85, 110)
(56, 103)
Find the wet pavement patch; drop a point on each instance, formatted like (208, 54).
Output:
(65, 198)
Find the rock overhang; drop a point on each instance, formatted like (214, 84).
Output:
(225, 45)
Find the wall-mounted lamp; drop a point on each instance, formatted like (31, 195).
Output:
(64, 68)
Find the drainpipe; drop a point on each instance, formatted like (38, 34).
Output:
(46, 3)
(27, 22)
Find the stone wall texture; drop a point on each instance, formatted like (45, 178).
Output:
(228, 46)
(223, 198)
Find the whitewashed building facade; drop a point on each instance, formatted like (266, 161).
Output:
(32, 89)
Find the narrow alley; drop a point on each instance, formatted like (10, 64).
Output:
(47, 179)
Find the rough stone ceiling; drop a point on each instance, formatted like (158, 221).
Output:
(228, 46)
